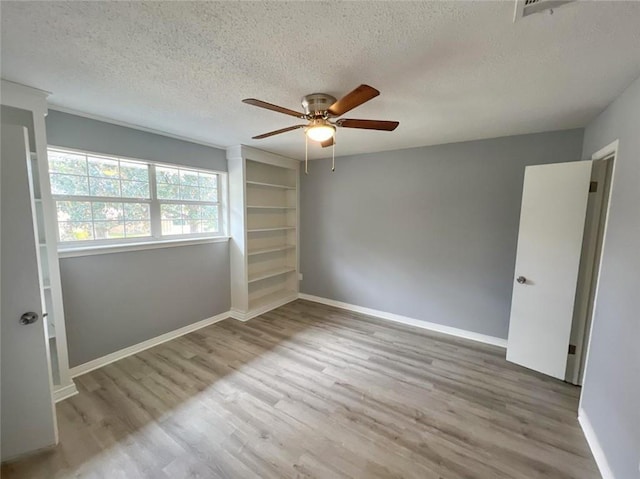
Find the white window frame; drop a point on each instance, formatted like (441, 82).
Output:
(156, 240)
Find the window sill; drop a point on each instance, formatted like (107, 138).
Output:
(122, 248)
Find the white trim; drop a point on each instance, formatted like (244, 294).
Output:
(122, 248)
(611, 150)
(440, 328)
(594, 445)
(136, 348)
(24, 97)
(65, 392)
(240, 316)
(261, 156)
(104, 119)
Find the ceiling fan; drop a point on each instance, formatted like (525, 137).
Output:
(320, 109)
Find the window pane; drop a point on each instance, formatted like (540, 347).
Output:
(167, 175)
(208, 194)
(104, 187)
(108, 211)
(192, 226)
(61, 162)
(172, 219)
(168, 192)
(210, 223)
(135, 189)
(168, 212)
(74, 210)
(191, 211)
(189, 219)
(137, 228)
(210, 213)
(103, 167)
(209, 226)
(109, 229)
(134, 171)
(69, 185)
(189, 178)
(136, 211)
(75, 231)
(189, 193)
(171, 228)
(208, 180)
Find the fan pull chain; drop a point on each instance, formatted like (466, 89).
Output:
(333, 152)
(306, 154)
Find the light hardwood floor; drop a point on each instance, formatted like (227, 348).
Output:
(313, 391)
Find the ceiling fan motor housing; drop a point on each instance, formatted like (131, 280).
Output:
(317, 103)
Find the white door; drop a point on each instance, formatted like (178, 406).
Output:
(554, 204)
(26, 408)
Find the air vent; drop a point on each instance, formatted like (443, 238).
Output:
(528, 7)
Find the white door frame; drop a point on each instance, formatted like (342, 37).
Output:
(609, 151)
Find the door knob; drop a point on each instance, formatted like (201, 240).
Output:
(521, 279)
(29, 318)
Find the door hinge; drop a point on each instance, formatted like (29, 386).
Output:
(572, 349)
(593, 187)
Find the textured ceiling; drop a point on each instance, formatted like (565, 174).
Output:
(448, 71)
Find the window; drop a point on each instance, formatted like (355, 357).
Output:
(188, 201)
(108, 200)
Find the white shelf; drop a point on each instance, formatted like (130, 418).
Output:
(271, 207)
(274, 249)
(270, 273)
(275, 228)
(270, 298)
(270, 185)
(263, 187)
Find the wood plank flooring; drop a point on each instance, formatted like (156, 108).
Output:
(309, 391)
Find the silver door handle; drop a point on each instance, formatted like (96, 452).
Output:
(29, 318)
(521, 279)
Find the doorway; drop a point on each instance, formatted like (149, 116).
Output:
(562, 228)
(589, 272)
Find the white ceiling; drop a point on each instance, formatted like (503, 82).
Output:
(448, 71)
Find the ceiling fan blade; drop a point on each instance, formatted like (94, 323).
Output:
(271, 106)
(368, 124)
(328, 142)
(357, 97)
(277, 132)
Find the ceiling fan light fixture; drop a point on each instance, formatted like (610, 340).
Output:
(320, 130)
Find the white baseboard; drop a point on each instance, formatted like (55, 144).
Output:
(461, 333)
(136, 348)
(65, 392)
(240, 316)
(594, 444)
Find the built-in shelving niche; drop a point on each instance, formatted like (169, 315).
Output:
(52, 306)
(269, 237)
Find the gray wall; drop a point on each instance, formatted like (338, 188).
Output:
(429, 233)
(611, 393)
(116, 300)
(120, 299)
(64, 129)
